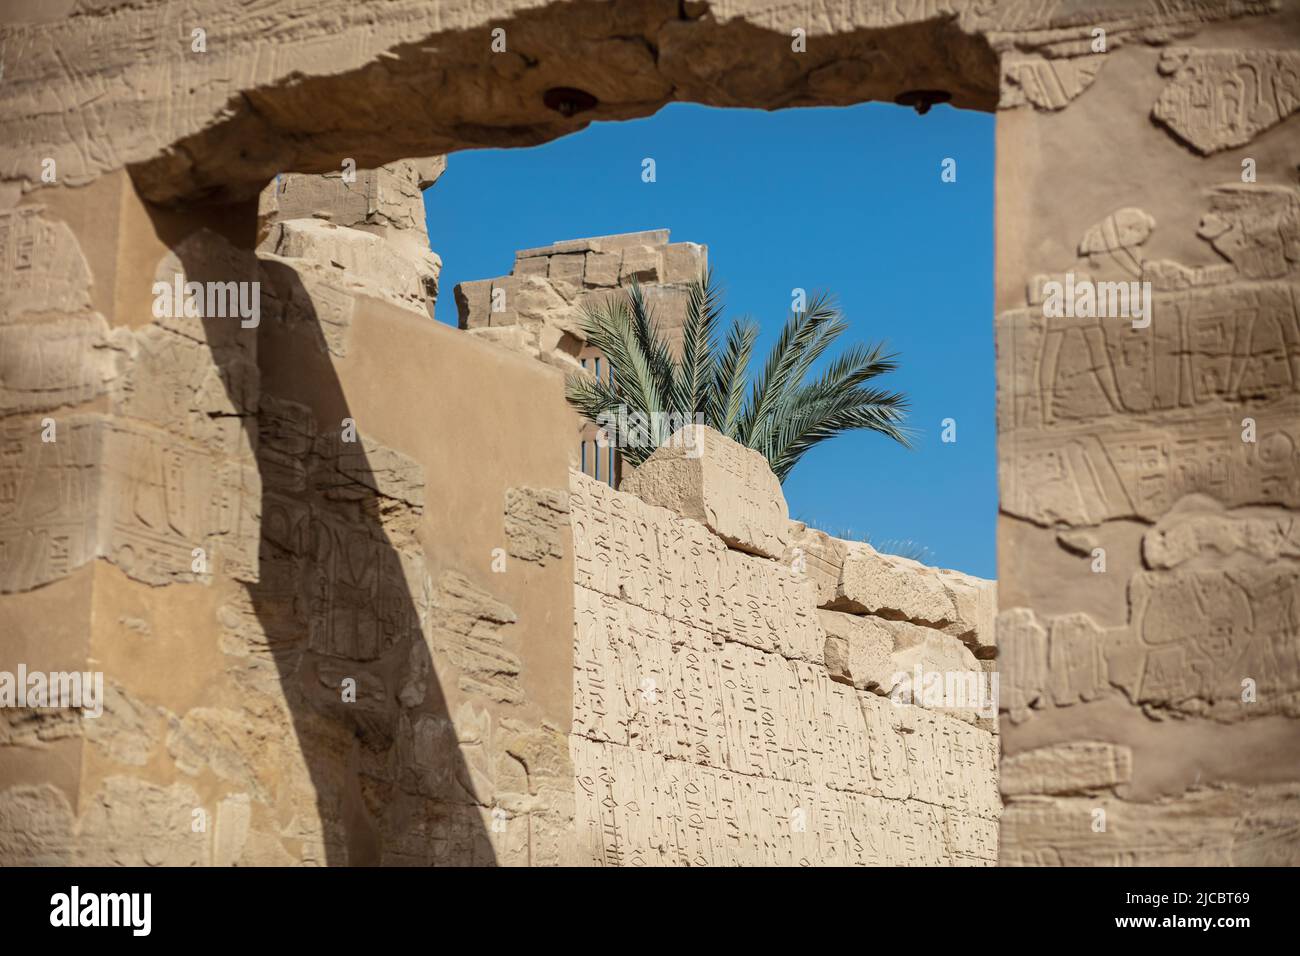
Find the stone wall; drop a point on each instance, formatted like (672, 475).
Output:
(537, 309)
(306, 659)
(1150, 466)
(1153, 140)
(724, 715)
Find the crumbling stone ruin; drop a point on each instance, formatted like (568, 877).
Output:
(537, 308)
(321, 643)
(724, 714)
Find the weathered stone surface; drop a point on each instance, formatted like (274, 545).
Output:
(36, 826)
(297, 106)
(1068, 768)
(97, 491)
(1100, 427)
(685, 262)
(601, 268)
(1200, 528)
(1117, 238)
(902, 589)
(357, 261)
(386, 202)
(550, 287)
(1212, 642)
(641, 264)
(930, 650)
(537, 522)
(1048, 84)
(818, 555)
(1116, 421)
(693, 688)
(728, 488)
(1224, 826)
(467, 625)
(1218, 99)
(50, 363)
(859, 650)
(42, 267)
(1255, 227)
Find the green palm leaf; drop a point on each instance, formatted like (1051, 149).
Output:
(782, 413)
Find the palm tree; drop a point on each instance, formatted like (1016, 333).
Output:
(781, 414)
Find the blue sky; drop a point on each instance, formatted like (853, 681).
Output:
(848, 200)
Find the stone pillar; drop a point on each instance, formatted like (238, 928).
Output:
(1150, 449)
(130, 505)
(318, 642)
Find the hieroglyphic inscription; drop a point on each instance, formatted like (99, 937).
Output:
(1195, 641)
(1218, 99)
(42, 268)
(1205, 348)
(48, 498)
(1222, 826)
(707, 732)
(724, 485)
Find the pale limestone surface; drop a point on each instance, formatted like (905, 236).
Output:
(727, 487)
(715, 722)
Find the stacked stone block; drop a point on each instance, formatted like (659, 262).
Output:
(536, 309)
(722, 718)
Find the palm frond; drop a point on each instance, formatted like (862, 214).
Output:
(801, 332)
(782, 413)
(727, 392)
(692, 382)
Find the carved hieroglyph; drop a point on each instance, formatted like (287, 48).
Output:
(168, 472)
(314, 102)
(1112, 420)
(1126, 433)
(710, 727)
(1221, 826)
(1150, 470)
(1049, 84)
(1218, 99)
(726, 487)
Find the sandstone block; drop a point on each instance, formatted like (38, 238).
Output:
(930, 650)
(976, 602)
(623, 240)
(858, 650)
(361, 260)
(1067, 768)
(872, 582)
(641, 263)
(386, 202)
(819, 556)
(567, 268)
(602, 268)
(474, 304)
(730, 489)
(684, 262)
(533, 297)
(531, 266)
(885, 584)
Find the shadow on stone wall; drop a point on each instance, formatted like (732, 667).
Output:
(341, 594)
